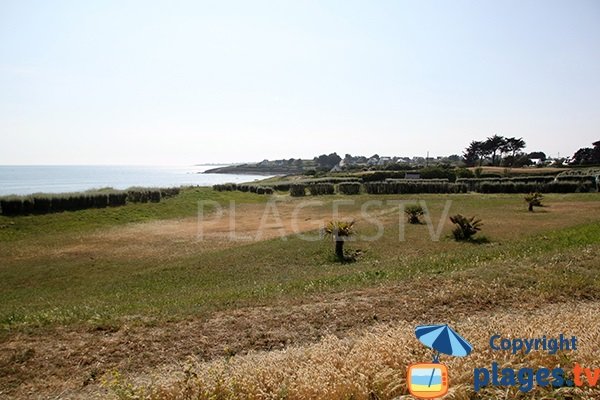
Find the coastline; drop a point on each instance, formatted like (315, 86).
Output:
(252, 170)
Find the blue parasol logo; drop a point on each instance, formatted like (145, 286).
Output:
(430, 380)
(443, 339)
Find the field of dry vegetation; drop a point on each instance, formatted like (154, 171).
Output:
(128, 303)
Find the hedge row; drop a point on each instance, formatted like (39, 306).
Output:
(51, 203)
(552, 187)
(228, 187)
(434, 180)
(589, 179)
(317, 189)
(475, 184)
(298, 190)
(44, 204)
(244, 188)
(400, 187)
(349, 188)
(540, 184)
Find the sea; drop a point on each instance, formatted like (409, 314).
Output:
(25, 179)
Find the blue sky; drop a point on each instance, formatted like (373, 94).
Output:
(180, 82)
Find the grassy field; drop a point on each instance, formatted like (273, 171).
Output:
(133, 289)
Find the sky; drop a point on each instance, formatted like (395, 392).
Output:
(186, 82)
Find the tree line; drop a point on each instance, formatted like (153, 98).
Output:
(499, 150)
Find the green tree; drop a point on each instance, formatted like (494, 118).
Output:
(326, 162)
(587, 155)
(494, 145)
(474, 153)
(512, 146)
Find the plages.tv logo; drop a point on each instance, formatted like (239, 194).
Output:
(430, 380)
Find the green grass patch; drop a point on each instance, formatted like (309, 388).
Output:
(105, 292)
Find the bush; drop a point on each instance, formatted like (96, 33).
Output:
(438, 173)
(225, 187)
(11, 206)
(297, 190)
(282, 186)
(377, 176)
(464, 173)
(405, 186)
(41, 203)
(143, 195)
(260, 190)
(413, 212)
(169, 192)
(117, 199)
(534, 200)
(465, 227)
(318, 189)
(349, 188)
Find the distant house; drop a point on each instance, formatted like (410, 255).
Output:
(384, 160)
(373, 161)
(338, 167)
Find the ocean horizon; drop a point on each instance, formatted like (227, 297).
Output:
(29, 179)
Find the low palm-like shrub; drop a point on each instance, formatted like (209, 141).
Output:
(413, 212)
(340, 231)
(465, 227)
(534, 200)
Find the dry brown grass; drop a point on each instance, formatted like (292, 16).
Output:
(373, 364)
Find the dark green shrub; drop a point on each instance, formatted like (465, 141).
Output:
(438, 173)
(413, 212)
(99, 200)
(464, 173)
(377, 176)
(117, 199)
(225, 187)
(169, 192)
(465, 227)
(41, 205)
(154, 196)
(297, 190)
(281, 186)
(405, 186)
(319, 189)
(458, 188)
(27, 206)
(349, 188)
(11, 206)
